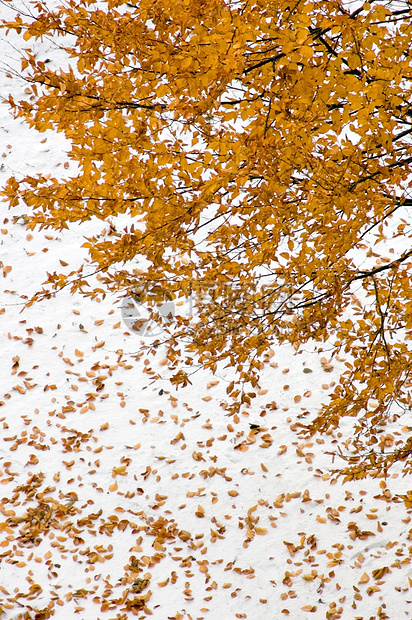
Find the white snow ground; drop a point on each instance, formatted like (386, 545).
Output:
(123, 498)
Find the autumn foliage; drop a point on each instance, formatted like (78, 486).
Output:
(253, 155)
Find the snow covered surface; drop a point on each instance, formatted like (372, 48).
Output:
(121, 497)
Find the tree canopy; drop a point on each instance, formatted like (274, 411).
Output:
(255, 155)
